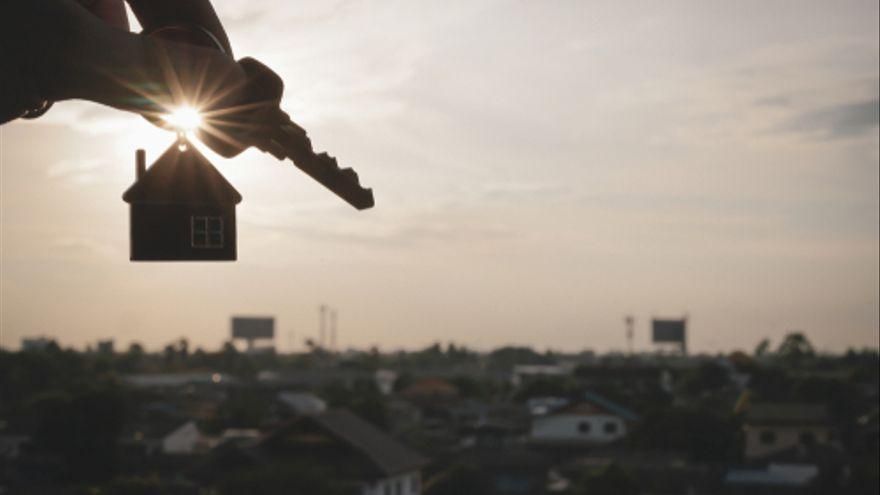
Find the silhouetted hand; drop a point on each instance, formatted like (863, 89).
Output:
(63, 49)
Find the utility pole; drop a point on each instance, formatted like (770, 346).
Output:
(630, 322)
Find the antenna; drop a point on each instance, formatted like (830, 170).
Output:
(630, 322)
(333, 329)
(322, 325)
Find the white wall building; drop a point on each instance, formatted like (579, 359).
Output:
(187, 439)
(594, 420)
(581, 423)
(770, 428)
(403, 484)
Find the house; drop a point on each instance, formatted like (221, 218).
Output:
(182, 209)
(300, 403)
(775, 427)
(185, 439)
(539, 406)
(385, 380)
(522, 373)
(178, 380)
(774, 479)
(357, 453)
(511, 470)
(431, 393)
(594, 420)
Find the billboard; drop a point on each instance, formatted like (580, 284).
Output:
(668, 331)
(248, 327)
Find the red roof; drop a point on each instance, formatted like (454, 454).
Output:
(430, 387)
(182, 177)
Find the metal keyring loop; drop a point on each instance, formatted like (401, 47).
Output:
(36, 112)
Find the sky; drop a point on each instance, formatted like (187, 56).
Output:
(540, 169)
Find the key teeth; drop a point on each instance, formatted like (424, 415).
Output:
(370, 201)
(324, 157)
(350, 175)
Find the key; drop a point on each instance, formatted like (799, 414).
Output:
(289, 140)
(267, 127)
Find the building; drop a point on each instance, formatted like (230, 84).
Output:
(539, 406)
(593, 421)
(185, 439)
(359, 455)
(178, 380)
(430, 391)
(772, 427)
(35, 343)
(522, 373)
(774, 479)
(300, 403)
(105, 346)
(182, 209)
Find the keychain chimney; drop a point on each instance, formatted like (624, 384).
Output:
(140, 164)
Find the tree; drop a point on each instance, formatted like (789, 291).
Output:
(707, 377)
(82, 429)
(169, 354)
(795, 347)
(183, 348)
(133, 359)
(363, 398)
(701, 433)
(609, 481)
(507, 357)
(136, 349)
(762, 348)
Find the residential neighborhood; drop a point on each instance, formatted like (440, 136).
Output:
(442, 420)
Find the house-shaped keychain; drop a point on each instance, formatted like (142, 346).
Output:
(182, 209)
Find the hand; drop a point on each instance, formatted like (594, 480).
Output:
(63, 50)
(110, 11)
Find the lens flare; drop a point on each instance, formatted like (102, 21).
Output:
(184, 119)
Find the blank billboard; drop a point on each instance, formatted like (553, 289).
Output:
(248, 327)
(668, 330)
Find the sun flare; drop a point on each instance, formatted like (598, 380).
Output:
(184, 119)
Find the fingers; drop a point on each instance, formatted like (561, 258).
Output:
(110, 11)
(154, 14)
(133, 72)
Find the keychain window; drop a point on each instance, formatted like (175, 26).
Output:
(207, 232)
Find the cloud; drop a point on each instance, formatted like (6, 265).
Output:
(519, 192)
(83, 171)
(839, 121)
(91, 119)
(85, 246)
(773, 101)
(440, 226)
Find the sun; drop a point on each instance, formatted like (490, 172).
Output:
(184, 119)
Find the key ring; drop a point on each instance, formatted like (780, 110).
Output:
(38, 111)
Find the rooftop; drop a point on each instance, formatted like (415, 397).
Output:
(182, 176)
(784, 413)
